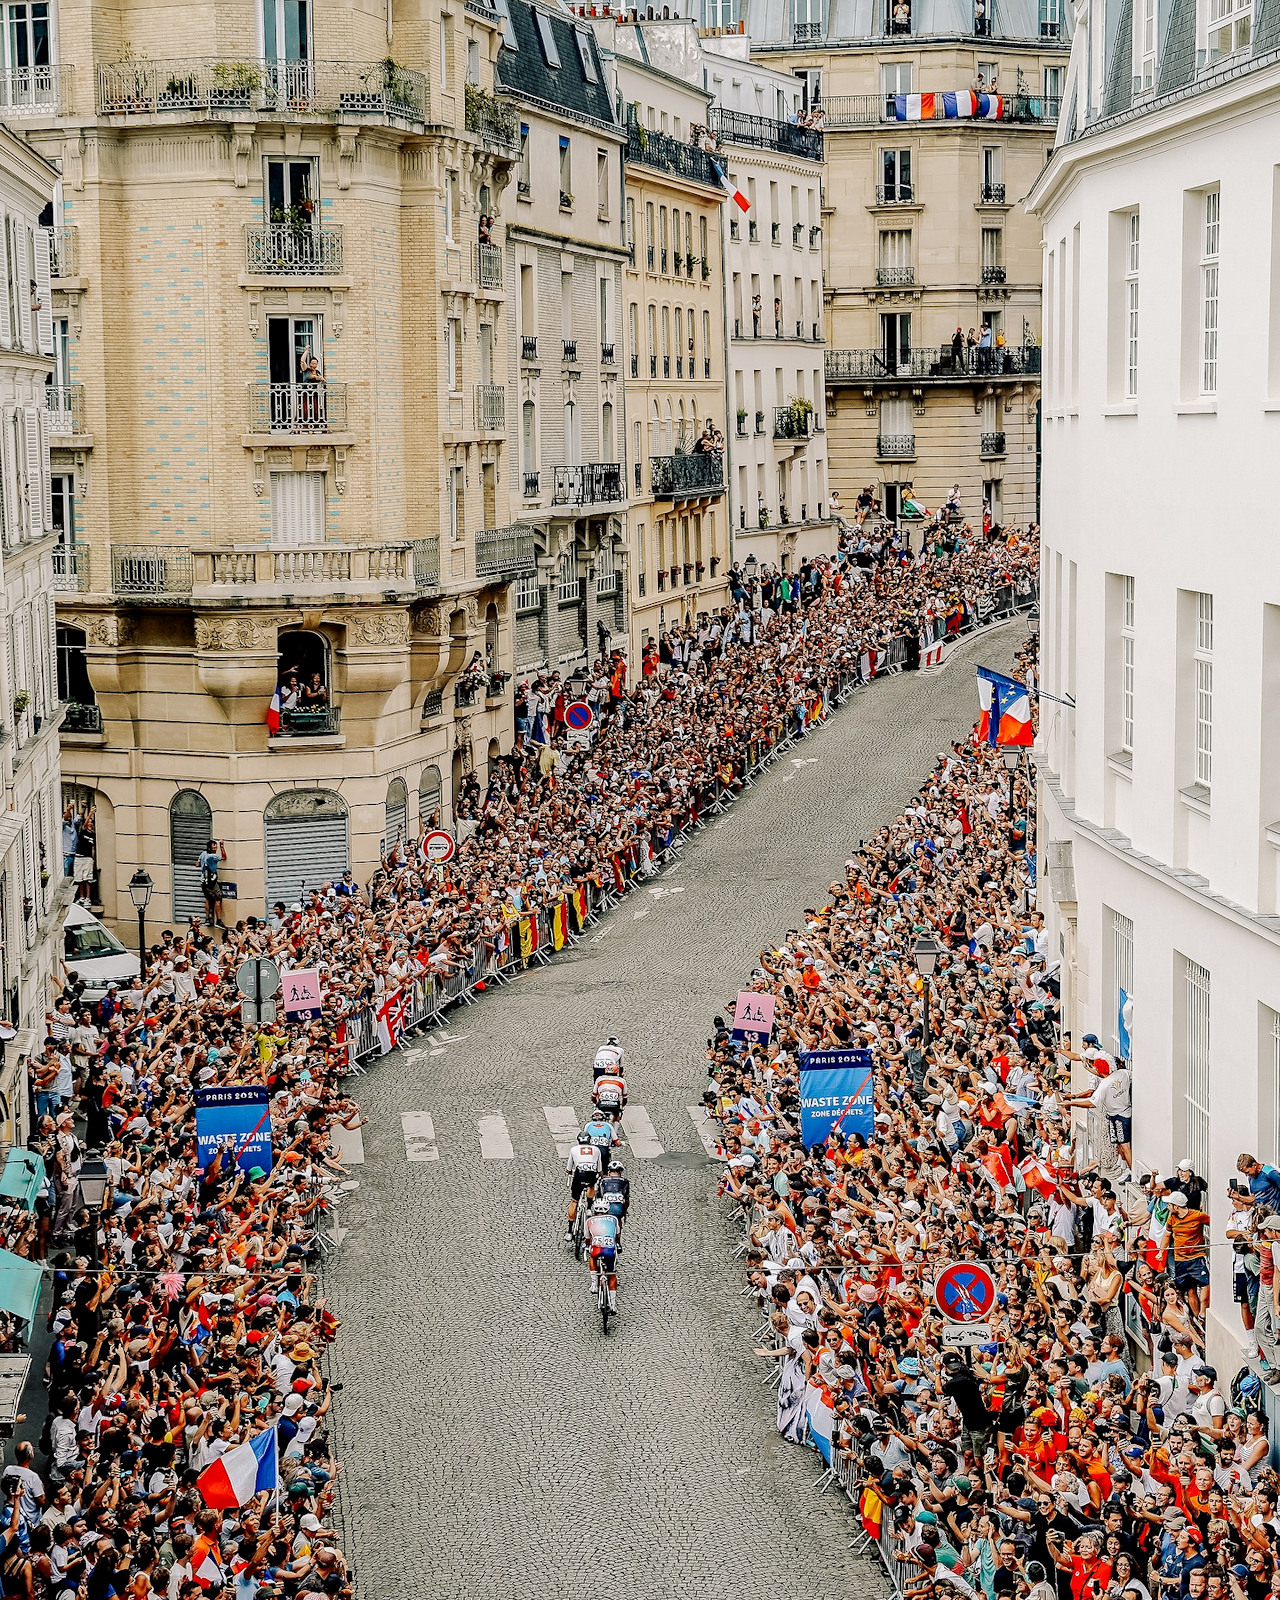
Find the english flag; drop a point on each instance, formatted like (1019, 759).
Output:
(234, 1478)
(273, 713)
(731, 188)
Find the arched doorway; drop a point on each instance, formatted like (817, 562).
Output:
(73, 667)
(397, 816)
(306, 683)
(190, 829)
(495, 756)
(429, 797)
(306, 842)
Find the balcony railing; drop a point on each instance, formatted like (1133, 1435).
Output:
(855, 366)
(895, 194)
(888, 277)
(528, 347)
(466, 694)
(993, 274)
(591, 484)
(488, 266)
(297, 407)
(239, 88)
(34, 91)
(635, 364)
(426, 563)
(764, 133)
(505, 552)
(289, 249)
(310, 721)
(991, 194)
(493, 120)
(993, 444)
(531, 481)
(65, 404)
(150, 569)
(607, 356)
(491, 407)
(432, 704)
(897, 446)
(71, 567)
(569, 351)
(321, 566)
(694, 473)
(792, 423)
(80, 718)
(650, 148)
(64, 251)
(868, 110)
(805, 32)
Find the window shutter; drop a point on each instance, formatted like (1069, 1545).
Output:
(46, 477)
(6, 320)
(35, 473)
(22, 271)
(44, 293)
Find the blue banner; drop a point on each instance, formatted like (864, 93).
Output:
(836, 1086)
(1124, 1012)
(238, 1120)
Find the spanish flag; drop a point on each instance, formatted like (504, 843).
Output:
(871, 1510)
(528, 937)
(560, 924)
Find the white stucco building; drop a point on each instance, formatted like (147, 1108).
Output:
(1160, 610)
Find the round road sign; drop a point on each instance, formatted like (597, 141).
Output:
(965, 1292)
(579, 716)
(257, 979)
(437, 846)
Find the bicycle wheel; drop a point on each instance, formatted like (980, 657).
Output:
(604, 1303)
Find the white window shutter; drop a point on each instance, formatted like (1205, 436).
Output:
(35, 472)
(8, 499)
(44, 293)
(22, 271)
(6, 320)
(46, 476)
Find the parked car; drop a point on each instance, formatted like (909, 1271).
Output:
(92, 952)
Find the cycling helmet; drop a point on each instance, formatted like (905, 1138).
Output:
(611, 1039)
(615, 1169)
(600, 1207)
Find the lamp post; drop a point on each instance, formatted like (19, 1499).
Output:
(1012, 758)
(95, 1185)
(140, 892)
(925, 953)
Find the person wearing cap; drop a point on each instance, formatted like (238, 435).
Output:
(1267, 1320)
(1187, 1227)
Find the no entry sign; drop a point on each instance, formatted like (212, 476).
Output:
(965, 1292)
(579, 716)
(437, 846)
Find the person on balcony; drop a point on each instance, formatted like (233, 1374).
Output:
(314, 697)
(485, 229)
(777, 316)
(757, 308)
(957, 348)
(290, 693)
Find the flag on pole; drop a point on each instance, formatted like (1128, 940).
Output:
(234, 1478)
(560, 924)
(1013, 714)
(986, 693)
(731, 188)
(273, 714)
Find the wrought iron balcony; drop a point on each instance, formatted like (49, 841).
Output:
(868, 110)
(793, 422)
(992, 194)
(932, 363)
(65, 404)
(805, 32)
(696, 472)
(650, 148)
(493, 120)
(505, 552)
(606, 356)
(489, 266)
(889, 276)
(896, 446)
(80, 718)
(310, 722)
(993, 444)
(293, 249)
(64, 251)
(993, 274)
(426, 563)
(297, 407)
(531, 481)
(150, 569)
(491, 407)
(569, 351)
(895, 194)
(34, 91)
(249, 87)
(592, 484)
(529, 347)
(71, 567)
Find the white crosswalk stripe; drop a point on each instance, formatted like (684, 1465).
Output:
(495, 1141)
(639, 1130)
(564, 1125)
(707, 1130)
(419, 1136)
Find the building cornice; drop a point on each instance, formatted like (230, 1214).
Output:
(521, 233)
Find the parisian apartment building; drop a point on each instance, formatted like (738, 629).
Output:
(1159, 764)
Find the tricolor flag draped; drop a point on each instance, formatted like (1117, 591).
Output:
(821, 1417)
(1006, 709)
(939, 107)
(391, 1015)
(234, 1478)
(986, 693)
(273, 714)
(731, 188)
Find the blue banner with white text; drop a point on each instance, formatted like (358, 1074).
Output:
(836, 1087)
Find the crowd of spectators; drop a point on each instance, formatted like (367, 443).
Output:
(1087, 1447)
(185, 1318)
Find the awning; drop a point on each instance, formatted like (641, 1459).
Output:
(20, 1282)
(23, 1176)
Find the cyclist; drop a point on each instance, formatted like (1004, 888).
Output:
(610, 1094)
(602, 1236)
(608, 1058)
(583, 1167)
(615, 1187)
(602, 1133)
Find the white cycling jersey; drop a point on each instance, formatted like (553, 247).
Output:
(583, 1158)
(609, 1059)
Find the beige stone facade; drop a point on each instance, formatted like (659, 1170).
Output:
(280, 430)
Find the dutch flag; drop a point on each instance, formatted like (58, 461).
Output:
(234, 1478)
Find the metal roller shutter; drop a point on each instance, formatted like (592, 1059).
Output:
(190, 828)
(304, 851)
(397, 815)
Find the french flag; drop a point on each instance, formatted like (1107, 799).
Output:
(822, 1419)
(731, 188)
(234, 1478)
(1014, 714)
(986, 690)
(273, 714)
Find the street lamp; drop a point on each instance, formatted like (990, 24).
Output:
(1012, 758)
(925, 953)
(140, 887)
(95, 1185)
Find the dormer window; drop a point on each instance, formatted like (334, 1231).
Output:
(1229, 29)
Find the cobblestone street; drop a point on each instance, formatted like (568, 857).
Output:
(494, 1442)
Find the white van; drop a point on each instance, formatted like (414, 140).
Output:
(92, 952)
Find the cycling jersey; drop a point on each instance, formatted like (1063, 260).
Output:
(610, 1092)
(603, 1135)
(583, 1158)
(617, 1191)
(608, 1059)
(602, 1235)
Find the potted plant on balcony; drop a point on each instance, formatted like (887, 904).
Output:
(21, 701)
(801, 413)
(234, 83)
(742, 422)
(178, 93)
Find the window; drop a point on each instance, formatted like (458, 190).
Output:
(297, 507)
(648, 234)
(1122, 984)
(453, 352)
(1269, 1083)
(26, 43)
(895, 167)
(1053, 86)
(523, 174)
(473, 61)
(1230, 28)
(1204, 689)
(1126, 664)
(1050, 19)
(1131, 310)
(457, 509)
(720, 14)
(895, 256)
(528, 592)
(602, 184)
(810, 86)
(988, 71)
(1195, 1064)
(631, 229)
(586, 55)
(992, 249)
(453, 207)
(446, 50)
(895, 77)
(546, 38)
(568, 586)
(286, 32)
(529, 436)
(993, 494)
(1144, 66)
(1209, 296)
(566, 171)
(993, 172)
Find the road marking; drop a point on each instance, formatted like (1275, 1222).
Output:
(438, 1052)
(495, 1141)
(706, 1130)
(809, 761)
(640, 1133)
(349, 1144)
(419, 1136)
(564, 1125)
(640, 914)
